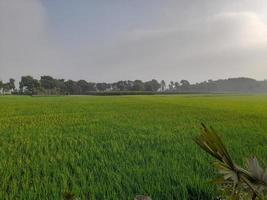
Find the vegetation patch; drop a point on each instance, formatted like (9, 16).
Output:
(118, 147)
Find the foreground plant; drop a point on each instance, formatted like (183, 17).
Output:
(236, 181)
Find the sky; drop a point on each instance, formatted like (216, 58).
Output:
(103, 40)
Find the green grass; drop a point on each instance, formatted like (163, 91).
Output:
(118, 147)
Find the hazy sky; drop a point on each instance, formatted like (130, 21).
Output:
(109, 40)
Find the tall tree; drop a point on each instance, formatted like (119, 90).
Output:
(29, 84)
(91, 86)
(6, 87)
(121, 85)
(185, 85)
(71, 87)
(152, 85)
(163, 85)
(48, 82)
(60, 86)
(176, 86)
(102, 86)
(12, 84)
(138, 85)
(171, 86)
(83, 86)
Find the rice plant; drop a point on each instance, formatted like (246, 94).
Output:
(121, 146)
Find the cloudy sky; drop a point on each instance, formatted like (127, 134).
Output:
(103, 40)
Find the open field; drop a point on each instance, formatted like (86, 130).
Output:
(117, 147)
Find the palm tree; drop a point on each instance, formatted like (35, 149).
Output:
(253, 180)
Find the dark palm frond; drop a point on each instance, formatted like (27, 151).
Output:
(257, 175)
(227, 172)
(252, 179)
(210, 142)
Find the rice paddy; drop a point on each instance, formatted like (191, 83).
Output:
(114, 148)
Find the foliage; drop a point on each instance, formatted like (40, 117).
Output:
(234, 178)
(8, 86)
(29, 85)
(47, 85)
(48, 82)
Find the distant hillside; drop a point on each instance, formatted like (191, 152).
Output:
(231, 85)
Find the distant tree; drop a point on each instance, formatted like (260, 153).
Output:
(156, 85)
(185, 85)
(60, 86)
(152, 85)
(129, 85)
(83, 86)
(12, 84)
(211, 86)
(121, 85)
(114, 86)
(102, 86)
(109, 87)
(163, 85)
(6, 87)
(91, 86)
(71, 87)
(138, 85)
(171, 86)
(48, 82)
(176, 86)
(29, 84)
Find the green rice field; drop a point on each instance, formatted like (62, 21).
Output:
(114, 148)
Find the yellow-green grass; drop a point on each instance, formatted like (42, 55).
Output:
(118, 147)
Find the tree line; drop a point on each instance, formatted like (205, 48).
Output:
(8, 86)
(47, 85)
